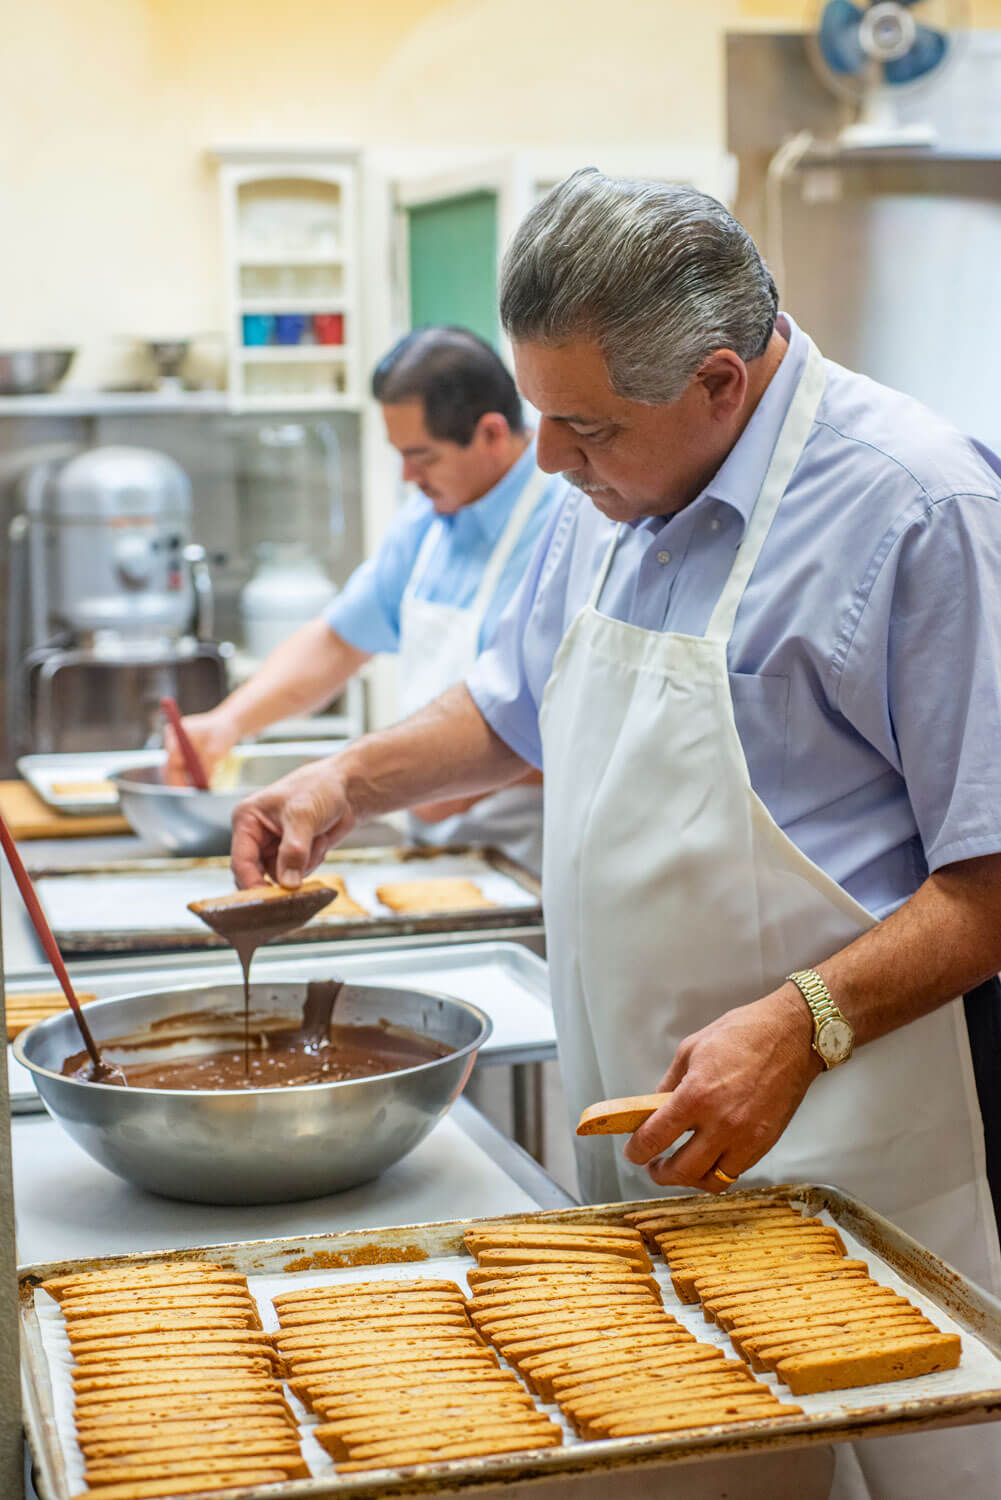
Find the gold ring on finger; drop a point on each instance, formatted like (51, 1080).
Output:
(723, 1177)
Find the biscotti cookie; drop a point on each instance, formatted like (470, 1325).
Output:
(445, 893)
(806, 1374)
(531, 1255)
(230, 1469)
(152, 1489)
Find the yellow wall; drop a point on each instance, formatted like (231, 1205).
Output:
(107, 199)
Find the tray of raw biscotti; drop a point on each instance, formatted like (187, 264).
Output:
(137, 906)
(461, 1354)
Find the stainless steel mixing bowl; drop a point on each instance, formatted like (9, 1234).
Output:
(252, 1145)
(31, 372)
(182, 820)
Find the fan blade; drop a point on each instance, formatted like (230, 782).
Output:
(838, 37)
(930, 48)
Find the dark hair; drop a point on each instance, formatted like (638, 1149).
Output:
(456, 375)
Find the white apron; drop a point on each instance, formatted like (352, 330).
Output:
(671, 895)
(438, 645)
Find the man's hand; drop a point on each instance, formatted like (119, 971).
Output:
(213, 735)
(736, 1085)
(284, 831)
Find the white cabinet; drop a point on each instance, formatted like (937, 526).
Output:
(291, 253)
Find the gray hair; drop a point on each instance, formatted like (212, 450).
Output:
(659, 275)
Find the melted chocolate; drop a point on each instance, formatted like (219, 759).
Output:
(318, 1051)
(248, 919)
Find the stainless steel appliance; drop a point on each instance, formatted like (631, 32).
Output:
(110, 602)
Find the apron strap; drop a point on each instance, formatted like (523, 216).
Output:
(788, 449)
(519, 518)
(423, 558)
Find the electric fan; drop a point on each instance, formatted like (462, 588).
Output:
(872, 54)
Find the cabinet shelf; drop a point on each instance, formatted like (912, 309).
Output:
(319, 401)
(293, 258)
(311, 304)
(293, 353)
(267, 203)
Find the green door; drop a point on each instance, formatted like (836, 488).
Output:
(453, 263)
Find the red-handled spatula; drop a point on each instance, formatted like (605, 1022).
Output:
(103, 1072)
(192, 760)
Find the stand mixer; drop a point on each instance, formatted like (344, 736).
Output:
(110, 603)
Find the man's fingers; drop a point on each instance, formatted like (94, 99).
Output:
(658, 1133)
(254, 846)
(691, 1165)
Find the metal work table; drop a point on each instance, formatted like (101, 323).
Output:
(67, 1206)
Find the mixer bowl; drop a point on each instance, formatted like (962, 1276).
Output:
(252, 1145)
(183, 820)
(31, 372)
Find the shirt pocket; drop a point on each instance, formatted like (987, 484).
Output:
(761, 713)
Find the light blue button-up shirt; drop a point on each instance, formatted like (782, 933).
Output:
(865, 660)
(367, 612)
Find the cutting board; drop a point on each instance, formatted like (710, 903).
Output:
(28, 817)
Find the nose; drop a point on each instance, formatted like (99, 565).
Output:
(555, 449)
(411, 471)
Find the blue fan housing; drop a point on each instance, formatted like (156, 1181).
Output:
(840, 41)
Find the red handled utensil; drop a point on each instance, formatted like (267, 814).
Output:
(103, 1072)
(192, 760)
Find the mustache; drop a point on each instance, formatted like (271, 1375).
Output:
(587, 486)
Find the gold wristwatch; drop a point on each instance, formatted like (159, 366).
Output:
(833, 1037)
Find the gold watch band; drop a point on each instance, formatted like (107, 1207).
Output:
(821, 1005)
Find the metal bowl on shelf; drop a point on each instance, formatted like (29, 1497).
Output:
(32, 372)
(261, 1145)
(183, 820)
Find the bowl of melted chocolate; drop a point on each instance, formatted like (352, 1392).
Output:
(289, 1091)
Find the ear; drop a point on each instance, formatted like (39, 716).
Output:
(723, 379)
(492, 429)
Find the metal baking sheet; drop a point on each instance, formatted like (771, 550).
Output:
(44, 773)
(141, 905)
(504, 979)
(969, 1394)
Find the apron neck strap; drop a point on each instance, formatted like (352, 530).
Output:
(788, 450)
(519, 518)
(423, 558)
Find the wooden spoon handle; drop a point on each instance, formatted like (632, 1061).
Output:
(45, 937)
(192, 760)
(619, 1116)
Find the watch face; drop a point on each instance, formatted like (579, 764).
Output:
(835, 1040)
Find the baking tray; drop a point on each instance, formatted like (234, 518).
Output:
(506, 980)
(43, 772)
(81, 902)
(954, 1397)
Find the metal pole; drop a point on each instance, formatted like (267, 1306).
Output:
(11, 1440)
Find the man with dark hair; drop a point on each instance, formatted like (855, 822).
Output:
(437, 587)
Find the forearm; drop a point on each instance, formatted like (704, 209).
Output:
(941, 943)
(446, 750)
(300, 675)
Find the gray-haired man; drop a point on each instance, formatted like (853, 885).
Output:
(757, 658)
